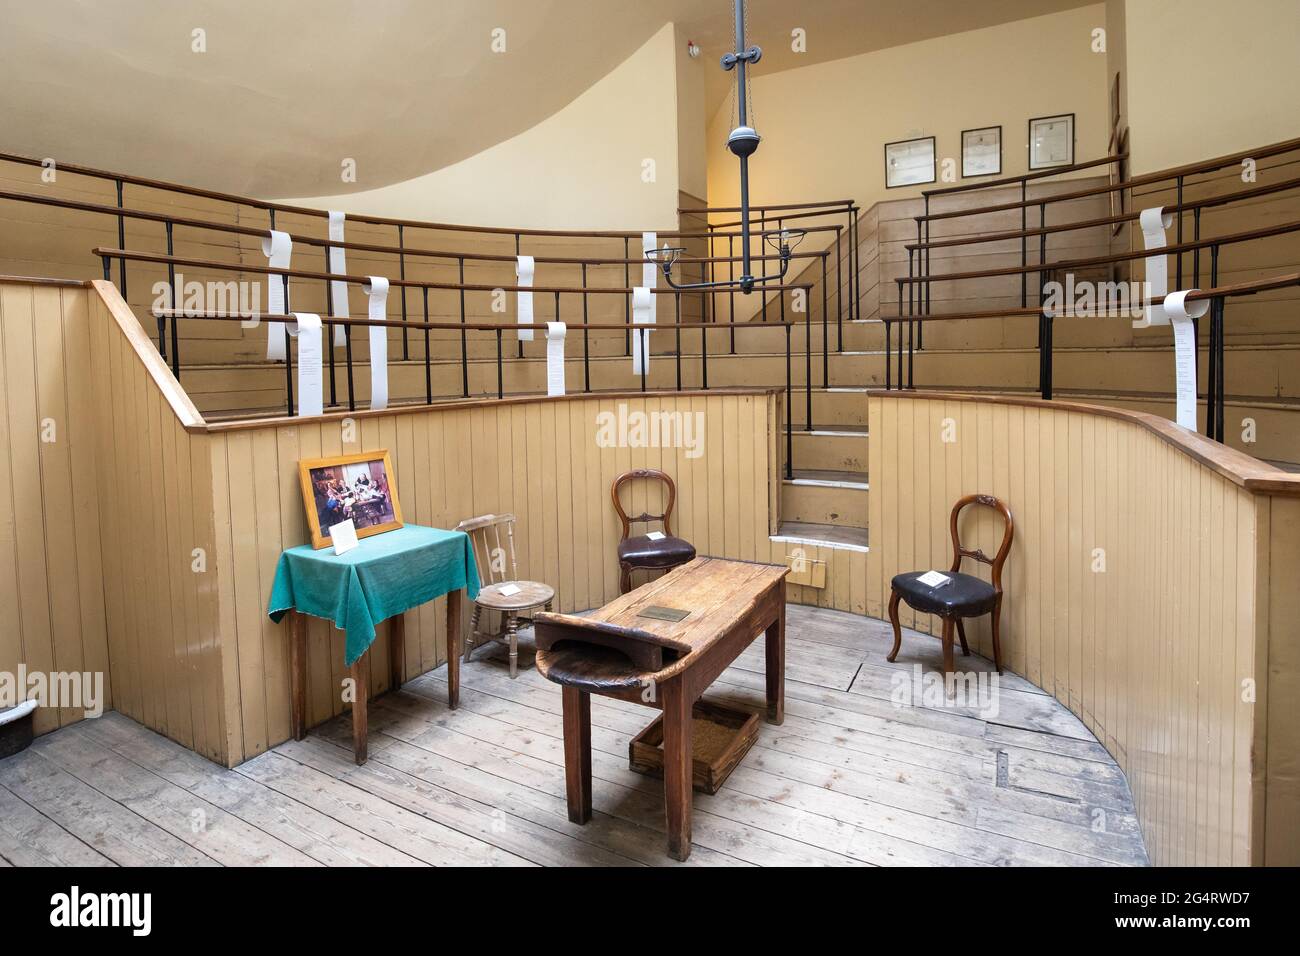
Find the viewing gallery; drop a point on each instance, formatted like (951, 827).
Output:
(703, 432)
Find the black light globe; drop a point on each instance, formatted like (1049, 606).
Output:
(743, 140)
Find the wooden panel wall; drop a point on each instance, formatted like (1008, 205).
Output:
(538, 459)
(1151, 652)
(50, 567)
(155, 505)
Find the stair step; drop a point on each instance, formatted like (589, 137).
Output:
(829, 478)
(826, 497)
(822, 535)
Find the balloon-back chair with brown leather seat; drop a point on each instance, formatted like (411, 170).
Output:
(658, 551)
(965, 595)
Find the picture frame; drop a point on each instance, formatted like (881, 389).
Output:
(1051, 141)
(981, 152)
(359, 486)
(908, 160)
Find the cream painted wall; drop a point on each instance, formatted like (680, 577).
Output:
(1206, 78)
(692, 119)
(824, 127)
(579, 168)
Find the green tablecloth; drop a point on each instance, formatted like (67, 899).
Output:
(385, 574)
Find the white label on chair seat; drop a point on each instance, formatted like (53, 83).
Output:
(655, 535)
(933, 579)
(508, 590)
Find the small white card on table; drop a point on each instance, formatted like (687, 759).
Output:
(933, 579)
(508, 590)
(344, 536)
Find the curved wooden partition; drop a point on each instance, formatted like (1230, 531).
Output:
(1152, 589)
(189, 517)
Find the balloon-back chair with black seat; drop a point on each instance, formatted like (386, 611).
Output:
(643, 551)
(964, 596)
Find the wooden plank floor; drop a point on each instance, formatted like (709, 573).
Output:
(850, 778)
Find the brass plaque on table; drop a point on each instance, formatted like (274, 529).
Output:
(663, 613)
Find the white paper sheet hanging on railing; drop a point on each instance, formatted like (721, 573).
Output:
(524, 312)
(306, 328)
(339, 267)
(1181, 313)
(555, 332)
(642, 314)
(1154, 222)
(278, 249)
(650, 270)
(376, 289)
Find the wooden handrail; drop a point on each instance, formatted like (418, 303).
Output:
(323, 213)
(1263, 152)
(768, 207)
(256, 232)
(1113, 258)
(158, 258)
(418, 325)
(1026, 177)
(785, 218)
(1269, 284)
(1223, 200)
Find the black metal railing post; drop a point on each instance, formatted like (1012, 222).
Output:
(329, 326)
(807, 362)
(586, 344)
(401, 274)
(428, 359)
(1212, 354)
(500, 372)
(789, 410)
(464, 339)
(121, 241)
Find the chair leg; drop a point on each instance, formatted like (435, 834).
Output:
(512, 635)
(894, 598)
(947, 654)
(961, 635)
(473, 633)
(997, 645)
(624, 579)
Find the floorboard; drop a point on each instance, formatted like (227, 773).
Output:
(855, 776)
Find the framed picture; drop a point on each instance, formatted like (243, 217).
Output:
(981, 151)
(1051, 141)
(359, 487)
(909, 162)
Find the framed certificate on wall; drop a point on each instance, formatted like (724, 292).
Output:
(909, 162)
(981, 151)
(1051, 141)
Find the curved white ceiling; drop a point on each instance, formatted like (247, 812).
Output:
(287, 90)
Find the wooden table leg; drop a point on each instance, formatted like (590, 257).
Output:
(298, 674)
(775, 663)
(360, 726)
(396, 650)
(577, 753)
(453, 647)
(677, 768)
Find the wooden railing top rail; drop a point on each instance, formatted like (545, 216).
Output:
(1263, 152)
(1253, 287)
(166, 186)
(784, 218)
(766, 207)
(1241, 469)
(418, 325)
(1222, 200)
(1025, 177)
(158, 258)
(261, 232)
(1226, 239)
